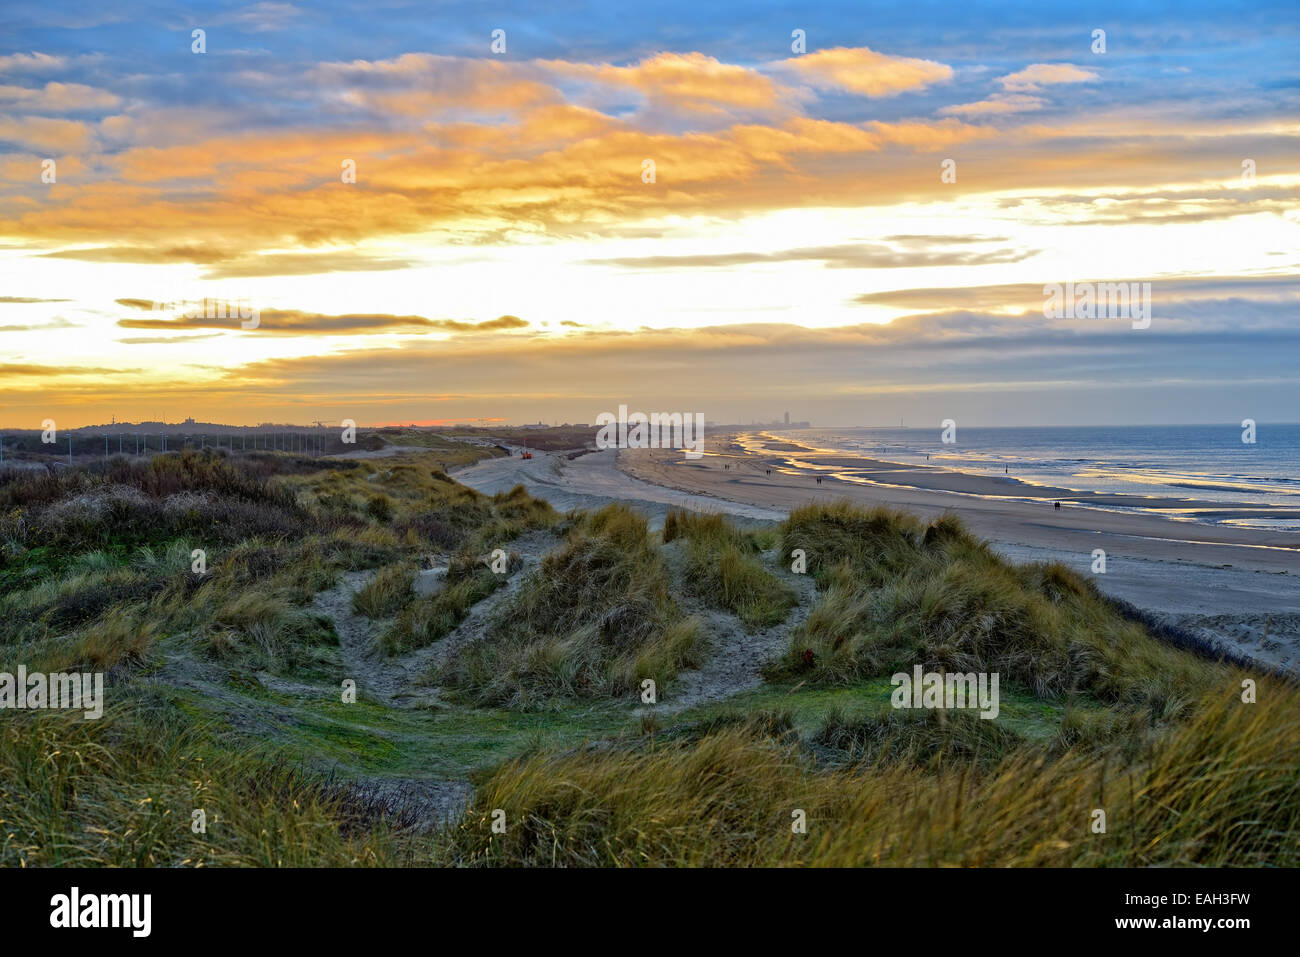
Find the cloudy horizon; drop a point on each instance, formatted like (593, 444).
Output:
(848, 215)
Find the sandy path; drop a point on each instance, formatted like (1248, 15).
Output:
(402, 681)
(364, 660)
(736, 656)
(532, 548)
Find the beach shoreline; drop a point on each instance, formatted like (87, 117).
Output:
(1236, 586)
(994, 507)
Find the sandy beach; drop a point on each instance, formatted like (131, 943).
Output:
(1236, 585)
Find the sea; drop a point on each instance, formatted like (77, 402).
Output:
(1209, 463)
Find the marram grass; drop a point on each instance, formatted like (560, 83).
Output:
(1221, 790)
(95, 573)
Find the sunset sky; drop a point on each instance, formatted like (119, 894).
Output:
(501, 256)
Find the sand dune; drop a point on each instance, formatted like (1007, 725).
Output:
(1238, 586)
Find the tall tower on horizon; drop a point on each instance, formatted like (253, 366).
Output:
(787, 418)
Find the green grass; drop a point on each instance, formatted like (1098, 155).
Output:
(810, 706)
(368, 739)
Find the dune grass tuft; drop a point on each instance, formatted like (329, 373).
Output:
(896, 592)
(425, 620)
(391, 590)
(594, 620)
(723, 569)
(121, 791)
(1220, 790)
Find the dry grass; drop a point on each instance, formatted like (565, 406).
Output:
(95, 574)
(723, 569)
(426, 620)
(594, 620)
(391, 590)
(121, 791)
(896, 593)
(1221, 790)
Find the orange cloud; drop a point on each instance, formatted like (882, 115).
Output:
(433, 153)
(863, 70)
(1045, 74)
(59, 97)
(998, 104)
(44, 133)
(689, 80)
(275, 191)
